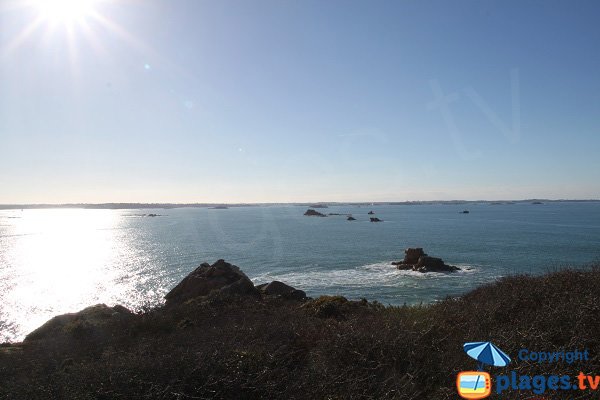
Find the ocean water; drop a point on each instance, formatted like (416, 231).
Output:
(55, 261)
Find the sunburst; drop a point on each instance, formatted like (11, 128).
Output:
(73, 22)
(65, 11)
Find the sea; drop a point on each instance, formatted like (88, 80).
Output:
(55, 261)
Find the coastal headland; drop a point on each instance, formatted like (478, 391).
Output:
(218, 336)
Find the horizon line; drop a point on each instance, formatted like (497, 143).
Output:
(202, 204)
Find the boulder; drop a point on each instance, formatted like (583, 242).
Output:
(351, 218)
(221, 276)
(95, 322)
(370, 213)
(375, 219)
(313, 213)
(277, 288)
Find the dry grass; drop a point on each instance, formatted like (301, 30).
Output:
(328, 348)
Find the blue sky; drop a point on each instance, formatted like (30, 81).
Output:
(276, 101)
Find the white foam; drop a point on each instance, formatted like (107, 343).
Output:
(382, 274)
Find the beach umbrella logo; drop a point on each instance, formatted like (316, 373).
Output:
(478, 384)
(487, 354)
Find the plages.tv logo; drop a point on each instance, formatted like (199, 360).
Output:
(478, 384)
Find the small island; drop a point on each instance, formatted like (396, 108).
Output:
(142, 215)
(313, 213)
(415, 259)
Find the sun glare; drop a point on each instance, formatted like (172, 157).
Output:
(65, 11)
(76, 23)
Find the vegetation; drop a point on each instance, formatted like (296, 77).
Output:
(260, 347)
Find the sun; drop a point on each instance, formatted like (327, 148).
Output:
(64, 11)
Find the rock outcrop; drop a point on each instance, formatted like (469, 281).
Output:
(351, 218)
(280, 289)
(95, 322)
(415, 259)
(375, 219)
(221, 276)
(412, 255)
(313, 213)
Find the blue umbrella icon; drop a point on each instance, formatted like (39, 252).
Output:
(486, 353)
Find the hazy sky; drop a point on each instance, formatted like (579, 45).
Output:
(269, 101)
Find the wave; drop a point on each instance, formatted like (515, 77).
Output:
(381, 274)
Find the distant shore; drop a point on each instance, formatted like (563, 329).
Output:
(126, 206)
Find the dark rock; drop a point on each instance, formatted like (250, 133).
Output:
(412, 255)
(433, 264)
(430, 262)
(277, 288)
(313, 213)
(370, 213)
(221, 276)
(241, 286)
(415, 259)
(403, 267)
(375, 219)
(93, 322)
(464, 212)
(351, 218)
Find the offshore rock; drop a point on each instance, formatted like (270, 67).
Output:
(313, 213)
(412, 255)
(415, 259)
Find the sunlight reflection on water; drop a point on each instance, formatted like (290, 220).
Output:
(62, 261)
